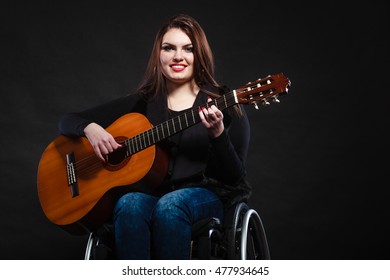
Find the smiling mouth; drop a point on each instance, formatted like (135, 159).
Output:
(178, 67)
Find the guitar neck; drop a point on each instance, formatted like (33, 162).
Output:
(172, 126)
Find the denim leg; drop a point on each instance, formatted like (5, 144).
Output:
(132, 215)
(172, 220)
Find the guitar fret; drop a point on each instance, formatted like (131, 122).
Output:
(144, 140)
(154, 141)
(178, 117)
(139, 143)
(185, 116)
(193, 117)
(167, 125)
(136, 143)
(224, 97)
(128, 150)
(162, 130)
(173, 124)
(158, 135)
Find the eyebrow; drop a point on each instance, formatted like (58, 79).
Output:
(166, 43)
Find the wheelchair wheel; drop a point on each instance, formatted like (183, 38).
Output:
(100, 244)
(246, 238)
(90, 244)
(254, 245)
(234, 232)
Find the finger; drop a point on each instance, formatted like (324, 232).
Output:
(202, 114)
(203, 117)
(99, 154)
(215, 114)
(205, 112)
(104, 150)
(214, 108)
(216, 111)
(112, 145)
(211, 114)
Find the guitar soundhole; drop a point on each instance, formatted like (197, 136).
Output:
(117, 156)
(117, 159)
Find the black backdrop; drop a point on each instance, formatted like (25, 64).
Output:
(317, 160)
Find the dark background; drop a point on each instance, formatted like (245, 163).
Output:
(317, 161)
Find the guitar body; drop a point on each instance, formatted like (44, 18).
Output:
(81, 207)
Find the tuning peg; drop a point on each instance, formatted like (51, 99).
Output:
(265, 102)
(254, 103)
(275, 99)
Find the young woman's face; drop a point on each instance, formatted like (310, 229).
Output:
(177, 57)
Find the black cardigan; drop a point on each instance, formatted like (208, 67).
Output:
(195, 158)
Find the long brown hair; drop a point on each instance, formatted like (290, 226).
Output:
(153, 81)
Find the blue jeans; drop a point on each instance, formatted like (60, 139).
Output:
(150, 227)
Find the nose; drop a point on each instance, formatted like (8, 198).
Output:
(178, 56)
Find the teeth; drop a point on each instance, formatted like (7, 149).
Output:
(177, 67)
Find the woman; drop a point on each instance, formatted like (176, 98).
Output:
(207, 160)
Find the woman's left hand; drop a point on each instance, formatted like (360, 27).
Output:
(212, 118)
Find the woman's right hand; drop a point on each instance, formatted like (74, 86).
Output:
(102, 142)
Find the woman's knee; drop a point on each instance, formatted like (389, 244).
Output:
(172, 206)
(134, 204)
(186, 204)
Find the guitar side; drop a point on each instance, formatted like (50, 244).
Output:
(98, 184)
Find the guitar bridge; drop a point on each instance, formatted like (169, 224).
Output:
(71, 174)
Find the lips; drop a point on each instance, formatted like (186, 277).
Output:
(178, 67)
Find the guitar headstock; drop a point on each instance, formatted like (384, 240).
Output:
(263, 90)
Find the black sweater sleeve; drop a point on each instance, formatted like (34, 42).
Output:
(230, 149)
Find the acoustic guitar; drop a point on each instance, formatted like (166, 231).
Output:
(77, 190)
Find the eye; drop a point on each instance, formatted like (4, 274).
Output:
(189, 49)
(167, 48)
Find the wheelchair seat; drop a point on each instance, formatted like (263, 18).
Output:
(241, 235)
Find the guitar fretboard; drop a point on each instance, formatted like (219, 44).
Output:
(174, 125)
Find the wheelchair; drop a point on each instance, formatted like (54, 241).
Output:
(240, 236)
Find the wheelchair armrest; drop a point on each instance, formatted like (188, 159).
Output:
(203, 227)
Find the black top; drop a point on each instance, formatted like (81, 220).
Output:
(195, 158)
